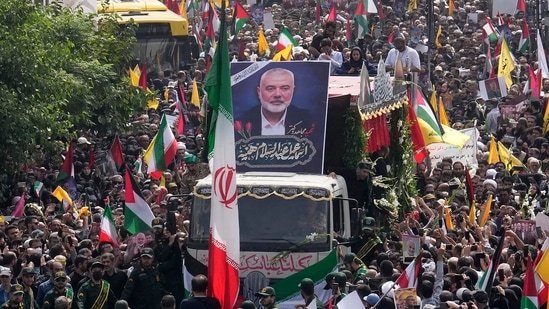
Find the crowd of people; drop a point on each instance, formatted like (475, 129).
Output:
(52, 259)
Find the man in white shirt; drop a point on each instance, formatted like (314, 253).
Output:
(328, 54)
(408, 56)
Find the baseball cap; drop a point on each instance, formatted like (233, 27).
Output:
(368, 223)
(16, 289)
(97, 264)
(480, 296)
(4, 271)
(371, 299)
(27, 271)
(266, 291)
(82, 140)
(348, 258)
(247, 304)
(307, 284)
(147, 252)
(157, 222)
(190, 158)
(464, 294)
(338, 277)
(61, 274)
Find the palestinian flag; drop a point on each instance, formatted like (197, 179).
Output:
(161, 150)
(530, 293)
(137, 213)
(241, 17)
(485, 282)
(107, 231)
(490, 31)
(191, 267)
(116, 152)
(361, 19)
(408, 279)
(285, 38)
(524, 38)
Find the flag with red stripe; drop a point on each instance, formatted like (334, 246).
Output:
(137, 213)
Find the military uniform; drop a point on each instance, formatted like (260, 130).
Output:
(15, 289)
(29, 298)
(143, 288)
(51, 296)
(93, 295)
(89, 292)
(169, 263)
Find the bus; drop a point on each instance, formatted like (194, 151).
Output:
(163, 40)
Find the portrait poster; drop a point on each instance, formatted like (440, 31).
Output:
(405, 298)
(280, 111)
(525, 230)
(135, 244)
(493, 88)
(257, 12)
(400, 7)
(410, 246)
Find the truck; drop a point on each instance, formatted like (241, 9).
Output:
(163, 40)
(286, 230)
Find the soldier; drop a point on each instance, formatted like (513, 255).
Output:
(142, 290)
(307, 287)
(16, 298)
(96, 293)
(59, 289)
(355, 265)
(27, 281)
(168, 259)
(268, 297)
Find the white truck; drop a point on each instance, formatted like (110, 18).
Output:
(286, 222)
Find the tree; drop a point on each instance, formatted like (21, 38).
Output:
(63, 72)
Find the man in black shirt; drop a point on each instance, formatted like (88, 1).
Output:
(199, 298)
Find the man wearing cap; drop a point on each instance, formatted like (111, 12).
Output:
(355, 265)
(307, 287)
(168, 259)
(5, 281)
(194, 170)
(15, 298)
(27, 281)
(60, 289)
(96, 293)
(359, 184)
(268, 297)
(337, 282)
(365, 245)
(143, 289)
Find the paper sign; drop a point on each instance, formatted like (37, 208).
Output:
(542, 220)
(351, 301)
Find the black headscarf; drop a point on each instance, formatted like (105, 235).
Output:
(352, 62)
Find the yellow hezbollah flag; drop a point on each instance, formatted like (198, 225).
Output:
(486, 212)
(506, 64)
(412, 5)
(62, 195)
(448, 218)
(134, 77)
(262, 45)
(507, 158)
(473, 213)
(195, 97)
(442, 114)
(451, 7)
(542, 268)
(546, 120)
(450, 136)
(439, 32)
(284, 55)
(433, 100)
(183, 9)
(493, 156)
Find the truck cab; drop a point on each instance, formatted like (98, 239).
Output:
(286, 223)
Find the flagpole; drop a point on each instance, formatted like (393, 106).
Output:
(431, 25)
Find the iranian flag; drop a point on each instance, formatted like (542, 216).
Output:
(408, 278)
(241, 17)
(137, 213)
(224, 246)
(542, 57)
(361, 19)
(524, 38)
(107, 231)
(530, 293)
(490, 31)
(285, 38)
(161, 150)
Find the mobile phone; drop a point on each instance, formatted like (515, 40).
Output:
(352, 288)
(449, 247)
(525, 252)
(468, 235)
(538, 232)
(501, 275)
(474, 247)
(335, 288)
(438, 242)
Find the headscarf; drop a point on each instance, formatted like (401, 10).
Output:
(352, 62)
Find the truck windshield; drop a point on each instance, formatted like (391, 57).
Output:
(274, 220)
(161, 54)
